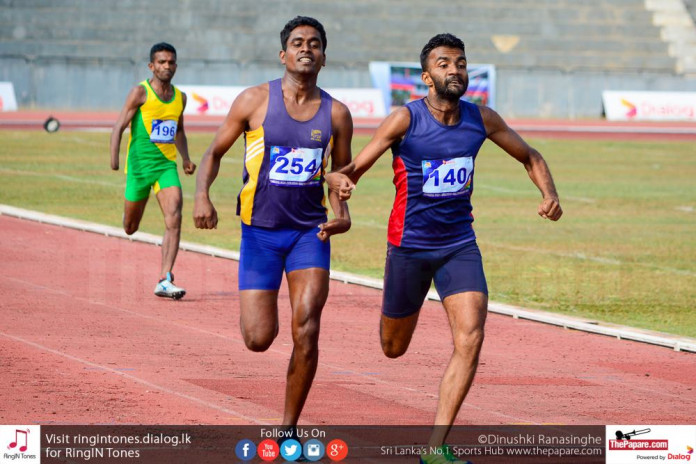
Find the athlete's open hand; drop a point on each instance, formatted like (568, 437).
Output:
(341, 184)
(204, 213)
(333, 227)
(189, 167)
(550, 208)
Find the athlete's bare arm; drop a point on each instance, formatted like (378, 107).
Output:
(181, 142)
(246, 113)
(342, 130)
(135, 99)
(389, 132)
(510, 141)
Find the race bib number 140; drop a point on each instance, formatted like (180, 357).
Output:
(447, 177)
(297, 167)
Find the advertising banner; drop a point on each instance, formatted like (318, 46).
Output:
(401, 83)
(649, 106)
(217, 100)
(7, 97)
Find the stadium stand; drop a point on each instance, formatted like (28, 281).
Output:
(550, 56)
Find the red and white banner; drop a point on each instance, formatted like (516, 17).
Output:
(649, 106)
(217, 100)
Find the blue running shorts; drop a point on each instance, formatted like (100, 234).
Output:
(409, 272)
(265, 253)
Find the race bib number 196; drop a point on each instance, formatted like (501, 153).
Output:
(447, 177)
(163, 131)
(297, 167)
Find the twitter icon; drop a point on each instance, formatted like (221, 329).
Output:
(290, 449)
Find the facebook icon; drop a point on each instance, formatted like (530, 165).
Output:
(245, 450)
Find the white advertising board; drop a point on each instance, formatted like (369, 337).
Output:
(8, 102)
(649, 106)
(217, 100)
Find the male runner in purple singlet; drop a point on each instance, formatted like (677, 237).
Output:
(291, 128)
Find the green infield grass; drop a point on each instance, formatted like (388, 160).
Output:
(624, 251)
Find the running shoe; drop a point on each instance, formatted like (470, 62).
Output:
(166, 288)
(443, 456)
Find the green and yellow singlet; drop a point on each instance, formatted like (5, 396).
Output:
(153, 132)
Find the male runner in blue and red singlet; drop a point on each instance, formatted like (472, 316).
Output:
(435, 141)
(291, 128)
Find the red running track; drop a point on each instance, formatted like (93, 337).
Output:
(84, 341)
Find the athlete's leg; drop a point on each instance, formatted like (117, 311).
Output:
(258, 318)
(407, 278)
(395, 334)
(170, 201)
(467, 315)
(309, 289)
(136, 194)
(133, 214)
(261, 264)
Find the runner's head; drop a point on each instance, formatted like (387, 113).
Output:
(304, 41)
(443, 62)
(163, 61)
(302, 21)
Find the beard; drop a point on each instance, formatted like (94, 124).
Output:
(446, 92)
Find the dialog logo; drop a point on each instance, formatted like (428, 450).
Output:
(245, 450)
(291, 450)
(202, 103)
(631, 109)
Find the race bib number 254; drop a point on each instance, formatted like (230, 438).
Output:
(296, 167)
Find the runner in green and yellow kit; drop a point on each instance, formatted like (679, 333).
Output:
(154, 109)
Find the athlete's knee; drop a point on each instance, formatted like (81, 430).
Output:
(305, 337)
(395, 334)
(173, 220)
(394, 348)
(130, 227)
(258, 344)
(259, 340)
(469, 343)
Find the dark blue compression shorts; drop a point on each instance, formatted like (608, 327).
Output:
(265, 253)
(409, 272)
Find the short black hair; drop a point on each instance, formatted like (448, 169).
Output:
(440, 40)
(161, 47)
(298, 21)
